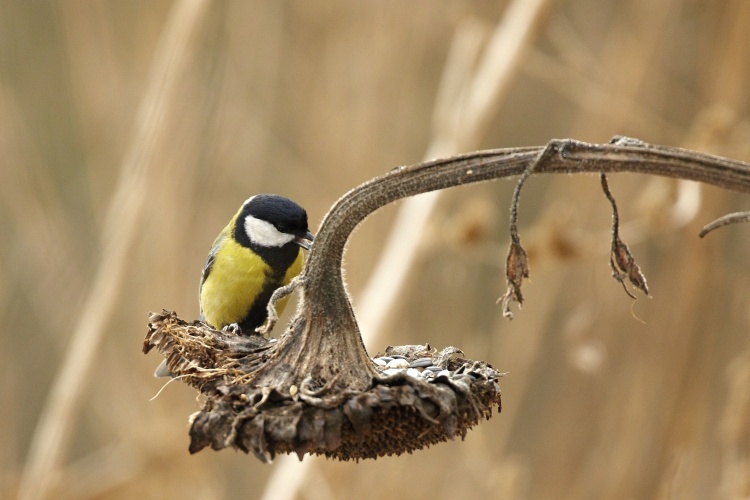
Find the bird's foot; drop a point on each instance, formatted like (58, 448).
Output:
(233, 328)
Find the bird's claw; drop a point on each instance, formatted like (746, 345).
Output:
(233, 328)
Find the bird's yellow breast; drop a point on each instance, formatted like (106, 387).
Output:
(237, 277)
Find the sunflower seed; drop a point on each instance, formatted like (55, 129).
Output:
(421, 363)
(398, 363)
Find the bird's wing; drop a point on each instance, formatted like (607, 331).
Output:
(210, 262)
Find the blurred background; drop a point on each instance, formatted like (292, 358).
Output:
(132, 131)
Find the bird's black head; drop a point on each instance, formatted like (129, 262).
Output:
(271, 221)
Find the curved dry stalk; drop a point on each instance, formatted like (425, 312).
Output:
(350, 408)
(725, 220)
(322, 272)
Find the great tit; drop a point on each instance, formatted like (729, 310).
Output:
(259, 251)
(256, 253)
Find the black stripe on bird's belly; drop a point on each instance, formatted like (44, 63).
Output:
(258, 312)
(278, 259)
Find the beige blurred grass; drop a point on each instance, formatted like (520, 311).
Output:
(120, 229)
(309, 99)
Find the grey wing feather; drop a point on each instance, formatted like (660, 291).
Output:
(208, 265)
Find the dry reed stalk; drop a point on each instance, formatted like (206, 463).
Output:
(679, 474)
(733, 431)
(466, 104)
(120, 229)
(605, 87)
(44, 227)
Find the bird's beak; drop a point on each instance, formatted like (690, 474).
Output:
(305, 241)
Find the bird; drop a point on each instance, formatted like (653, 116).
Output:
(259, 251)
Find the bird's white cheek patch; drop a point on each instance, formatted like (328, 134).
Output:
(264, 233)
